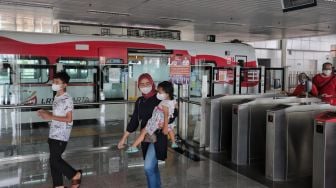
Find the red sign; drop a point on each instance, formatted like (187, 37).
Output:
(180, 69)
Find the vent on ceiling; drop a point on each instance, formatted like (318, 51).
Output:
(154, 33)
(111, 30)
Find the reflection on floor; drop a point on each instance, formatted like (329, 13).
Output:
(31, 139)
(257, 172)
(114, 168)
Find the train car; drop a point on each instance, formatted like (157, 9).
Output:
(106, 68)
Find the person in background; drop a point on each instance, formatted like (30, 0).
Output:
(59, 134)
(326, 83)
(300, 90)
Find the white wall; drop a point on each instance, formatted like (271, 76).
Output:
(301, 52)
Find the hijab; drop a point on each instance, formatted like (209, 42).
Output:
(150, 79)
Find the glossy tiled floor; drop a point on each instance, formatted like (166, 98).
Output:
(113, 168)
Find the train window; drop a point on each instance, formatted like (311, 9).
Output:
(241, 60)
(4, 73)
(34, 74)
(114, 61)
(74, 73)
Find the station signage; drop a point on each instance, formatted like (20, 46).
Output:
(179, 66)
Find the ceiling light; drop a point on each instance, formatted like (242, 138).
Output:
(271, 27)
(229, 23)
(107, 12)
(314, 30)
(27, 4)
(176, 19)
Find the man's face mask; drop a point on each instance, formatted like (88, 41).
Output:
(327, 72)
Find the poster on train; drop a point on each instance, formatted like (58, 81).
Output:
(179, 66)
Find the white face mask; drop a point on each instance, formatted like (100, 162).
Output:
(327, 72)
(56, 87)
(146, 90)
(161, 97)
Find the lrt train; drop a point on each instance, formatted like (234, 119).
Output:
(106, 68)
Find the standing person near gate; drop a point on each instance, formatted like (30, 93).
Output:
(326, 83)
(59, 134)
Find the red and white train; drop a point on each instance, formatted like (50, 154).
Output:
(104, 68)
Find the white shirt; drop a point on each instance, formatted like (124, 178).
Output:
(170, 104)
(61, 106)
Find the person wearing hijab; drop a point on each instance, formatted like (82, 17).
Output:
(152, 149)
(299, 91)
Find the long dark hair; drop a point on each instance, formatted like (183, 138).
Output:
(168, 88)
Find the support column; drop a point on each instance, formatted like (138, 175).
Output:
(283, 47)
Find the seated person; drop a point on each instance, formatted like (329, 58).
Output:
(300, 90)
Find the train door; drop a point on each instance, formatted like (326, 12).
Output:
(113, 92)
(113, 80)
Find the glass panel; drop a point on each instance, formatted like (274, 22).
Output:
(274, 79)
(73, 72)
(33, 89)
(5, 73)
(223, 81)
(196, 80)
(155, 65)
(33, 73)
(83, 86)
(83, 89)
(249, 80)
(194, 123)
(28, 81)
(114, 78)
(22, 78)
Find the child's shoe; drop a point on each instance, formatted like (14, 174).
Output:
(132, 150)
(174, 145)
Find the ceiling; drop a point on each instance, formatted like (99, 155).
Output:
(247, 20)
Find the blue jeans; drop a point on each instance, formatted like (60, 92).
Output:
(152, 168)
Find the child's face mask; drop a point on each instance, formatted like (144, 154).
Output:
(161, 96)
(56, 87)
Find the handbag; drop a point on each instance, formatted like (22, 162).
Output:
(150, 138)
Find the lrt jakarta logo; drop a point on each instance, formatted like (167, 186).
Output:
(75, 100)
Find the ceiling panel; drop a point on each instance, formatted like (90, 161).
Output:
(243, 19)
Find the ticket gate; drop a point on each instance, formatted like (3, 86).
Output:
(249, 128)
(324, 160)
(289, 138)
(216, 119)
